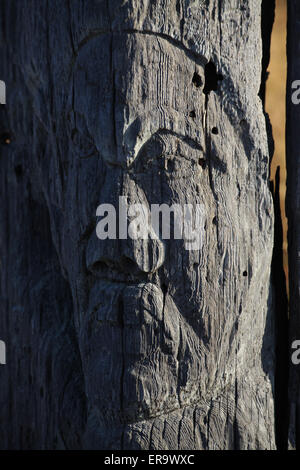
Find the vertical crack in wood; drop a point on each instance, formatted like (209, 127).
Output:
(280, 324)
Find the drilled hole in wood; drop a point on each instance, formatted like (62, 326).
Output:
(192, 114)
(197, 80)
(215, 131)
(5, 138)
(202, 162)
(245, 274)
(211, 78)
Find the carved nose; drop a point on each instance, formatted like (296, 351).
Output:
(145, 256)
(121, 249)
(128, 256)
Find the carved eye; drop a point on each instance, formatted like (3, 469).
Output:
(83, 144)
(155, 147)
(168, 155)
(151, 155)
(82, 141)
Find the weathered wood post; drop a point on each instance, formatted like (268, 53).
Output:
(127, 343)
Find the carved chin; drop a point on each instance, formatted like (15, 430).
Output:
(133, 349)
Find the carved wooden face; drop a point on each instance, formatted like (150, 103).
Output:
(137, 129)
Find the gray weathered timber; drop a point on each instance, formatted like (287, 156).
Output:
(134, 344)
(293, 212)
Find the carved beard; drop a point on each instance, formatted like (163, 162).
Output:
(140, 353)
(143, 366)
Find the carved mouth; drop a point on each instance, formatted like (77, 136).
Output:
(107, 295)
(136, 347)
(124, 272)
(125, 341)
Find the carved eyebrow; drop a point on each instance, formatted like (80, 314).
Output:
(165, 132)
(190, 141)
(196, 57)
(214, 159)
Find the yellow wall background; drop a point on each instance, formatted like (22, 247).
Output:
(275, 104)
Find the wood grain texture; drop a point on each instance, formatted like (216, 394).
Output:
(134, 344)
